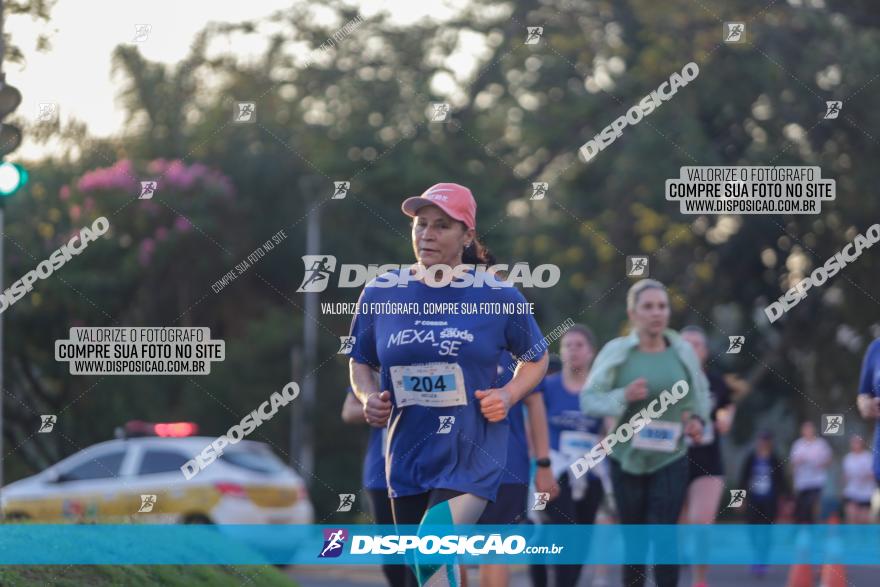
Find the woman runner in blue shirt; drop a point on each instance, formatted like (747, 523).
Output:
(869, 396)
(572, 433)
(511, 505)
(447, 434)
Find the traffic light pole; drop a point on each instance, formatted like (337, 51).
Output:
(12, 178)
(2, 390)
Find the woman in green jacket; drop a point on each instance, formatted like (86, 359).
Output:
(649, 466)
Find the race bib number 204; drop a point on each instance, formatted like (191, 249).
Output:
(433, 385)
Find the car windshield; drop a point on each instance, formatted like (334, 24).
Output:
(102, 466)
(162, 461)
(258, 458)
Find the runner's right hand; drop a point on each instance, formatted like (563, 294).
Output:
(869, 407)
(378, 409)
(637, 390)
(545, 483)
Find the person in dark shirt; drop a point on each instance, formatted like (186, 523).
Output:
(763, 478)
(706, 469)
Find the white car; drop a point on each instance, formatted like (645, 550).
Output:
(139, 479)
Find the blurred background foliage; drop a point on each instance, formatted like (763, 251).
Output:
(357, 111)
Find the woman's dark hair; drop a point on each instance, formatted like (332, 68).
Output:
(477, 254)
(584, 331)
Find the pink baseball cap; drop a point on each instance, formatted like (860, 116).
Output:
(456, 200)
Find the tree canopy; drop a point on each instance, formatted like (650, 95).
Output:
(356, 109)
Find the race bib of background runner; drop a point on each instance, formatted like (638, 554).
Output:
(658, 436)
(708, 434)
(433, 385)
(761, 485)
(573, 443)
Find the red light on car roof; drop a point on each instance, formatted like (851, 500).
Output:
(139, 428)
(175, 429)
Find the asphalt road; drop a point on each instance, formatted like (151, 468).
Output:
(720, 576)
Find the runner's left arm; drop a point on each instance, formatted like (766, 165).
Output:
(701, 400)
(523, 338)
(352, 409)
(868, 401)
(363, 360)
(540, 435)
(540, 442)
(527, 376)
(363, 382)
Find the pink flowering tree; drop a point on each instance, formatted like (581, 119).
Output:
(183, 236)
(154, 266)
(168, 213)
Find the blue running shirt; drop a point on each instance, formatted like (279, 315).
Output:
(567, 424)
(432, 363)
(374, 459)
(869, 383)
(517, 469)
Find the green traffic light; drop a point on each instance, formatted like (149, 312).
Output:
(12, 178)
